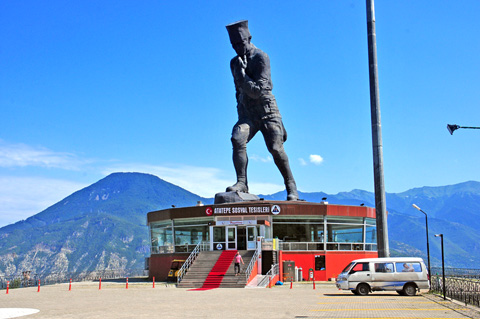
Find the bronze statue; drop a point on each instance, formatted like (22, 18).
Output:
(257, 109)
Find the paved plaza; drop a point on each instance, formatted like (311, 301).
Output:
(141, 300)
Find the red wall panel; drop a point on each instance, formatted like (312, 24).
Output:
(335, 261)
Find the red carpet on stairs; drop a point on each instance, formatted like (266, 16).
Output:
(215, 277)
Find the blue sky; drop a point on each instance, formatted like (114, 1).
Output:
(88, 88)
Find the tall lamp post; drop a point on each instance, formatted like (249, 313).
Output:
(453, 127)
(443, 267)
(428, 247)
(379, 183)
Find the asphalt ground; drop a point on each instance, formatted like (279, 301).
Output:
(141, 300)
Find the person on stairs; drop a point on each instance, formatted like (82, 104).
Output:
(238, 259)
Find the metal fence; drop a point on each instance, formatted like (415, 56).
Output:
(29, 280)
(460, 284)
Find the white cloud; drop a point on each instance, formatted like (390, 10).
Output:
(258, 158)
(302, 162)
(22, 155)
(22, 197)
(316, 159)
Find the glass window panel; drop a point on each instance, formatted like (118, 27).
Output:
(291, 233)
(193, 221)
(190, 235)
(357, 246)
(161, 224)
(344, 220)
(218, 234)
(231, 234)
(332, 246)
(371, 234)
(348, 267)
(408, 267)
(162, 238)
(384, 267)
(251, 233)
(361, 267)
(298, 219)
(319, 262)
(345, 233)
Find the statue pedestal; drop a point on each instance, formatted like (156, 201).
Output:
(234, 197)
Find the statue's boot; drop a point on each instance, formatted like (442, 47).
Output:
(292, 193)
(239, 186)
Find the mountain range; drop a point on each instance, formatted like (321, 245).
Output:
(103, 226)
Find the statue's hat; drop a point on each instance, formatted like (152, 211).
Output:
(238, 31)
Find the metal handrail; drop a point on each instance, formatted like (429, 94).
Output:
(20, 281)
(186, 265)
(249, 269)
(268, 277)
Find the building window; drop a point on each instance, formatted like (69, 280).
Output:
(320, 262)
(189, 232)
(298, 229)
(161, 237)
(329, 233)
(345, 233)
(371, 234)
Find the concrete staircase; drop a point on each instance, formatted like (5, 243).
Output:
(198, 272)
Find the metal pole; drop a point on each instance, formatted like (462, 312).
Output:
(443, 270)
(380, 201)
(428, 246)
(428, 252)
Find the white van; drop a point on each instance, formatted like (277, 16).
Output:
(404, 275)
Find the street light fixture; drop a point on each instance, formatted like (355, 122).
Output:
(443, 268)
(428, 246)
(453, 127)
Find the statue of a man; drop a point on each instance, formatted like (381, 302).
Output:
(257, 109)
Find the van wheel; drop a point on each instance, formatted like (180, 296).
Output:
(354, 292)
(409, 290)
(400, 292)
(363, 289)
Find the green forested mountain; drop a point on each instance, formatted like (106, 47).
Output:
(103, 226)
(453, 210)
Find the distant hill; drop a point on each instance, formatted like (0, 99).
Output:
(103, 226)
(453, 210)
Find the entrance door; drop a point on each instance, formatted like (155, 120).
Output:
(231, 234)
(251, 237)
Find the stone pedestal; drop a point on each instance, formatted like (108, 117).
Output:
(234, 197)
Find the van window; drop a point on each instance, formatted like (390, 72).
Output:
(384, 267)
(408, 267)
(348, 267)
(360, 267)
